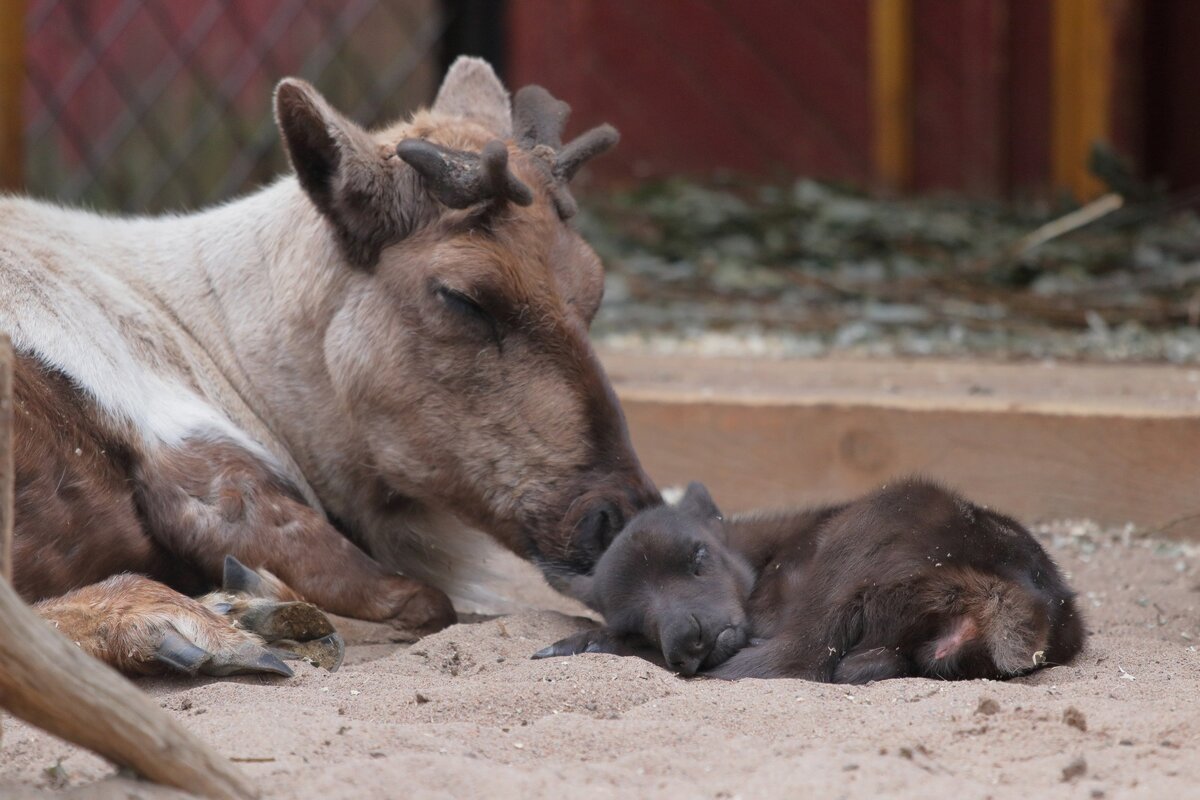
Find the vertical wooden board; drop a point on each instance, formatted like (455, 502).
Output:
(892, 92)
(1027, 128)
(959, 74)
(1172, 122)
(1036, 465)
(12, 83)
(1083, 39)
(698, 86)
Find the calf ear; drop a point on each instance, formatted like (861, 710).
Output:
(698, 503)
(340, 168)
(472, 90)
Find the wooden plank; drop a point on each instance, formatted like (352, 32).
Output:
(1112, 443)
(763, 88)
(960, 105)
(892, 91)
(1029, 97)
(1083, 78)
(12, 80)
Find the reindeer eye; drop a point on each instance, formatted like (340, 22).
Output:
(457, 301)
(698, 556)
(462, 305)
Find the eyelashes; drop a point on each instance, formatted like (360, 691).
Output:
(463, 306)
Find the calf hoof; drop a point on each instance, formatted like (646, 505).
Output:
(423, 609)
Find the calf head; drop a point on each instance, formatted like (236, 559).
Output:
(671, 578)
(459, 350)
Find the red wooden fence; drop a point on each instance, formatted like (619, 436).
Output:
(998, 96)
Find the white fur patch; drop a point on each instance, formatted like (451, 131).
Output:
(63, 301)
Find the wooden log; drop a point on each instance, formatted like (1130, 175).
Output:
(49, 682)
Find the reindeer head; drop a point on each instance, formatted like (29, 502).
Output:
(460, 350)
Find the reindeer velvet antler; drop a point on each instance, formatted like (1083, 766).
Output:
(458, 178)
(538, 122)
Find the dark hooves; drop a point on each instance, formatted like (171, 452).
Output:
(240, 579)
(291, 620)
(183, 655)
(594, 640)
(327, 652)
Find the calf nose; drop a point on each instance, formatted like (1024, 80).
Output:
(684, 646)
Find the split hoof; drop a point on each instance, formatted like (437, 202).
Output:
(293, 629)
(327, 652)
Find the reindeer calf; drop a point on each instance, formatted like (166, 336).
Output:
(909, 581)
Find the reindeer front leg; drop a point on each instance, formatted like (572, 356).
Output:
(205, 500)
(142, 627)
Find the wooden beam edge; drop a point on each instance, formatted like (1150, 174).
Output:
(980, 405)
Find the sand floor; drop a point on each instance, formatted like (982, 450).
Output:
(465, 713)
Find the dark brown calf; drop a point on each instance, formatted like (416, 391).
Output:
(910, 581)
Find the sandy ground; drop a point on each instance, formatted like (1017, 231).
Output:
(466, 713)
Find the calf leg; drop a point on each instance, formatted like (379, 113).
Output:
(866, 664)
(205, 500)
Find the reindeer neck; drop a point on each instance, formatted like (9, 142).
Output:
(255, 283)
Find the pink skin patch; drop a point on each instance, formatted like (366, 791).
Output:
(963, 631)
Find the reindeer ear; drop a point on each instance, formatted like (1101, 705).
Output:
(472, 90)
(698, 503)
(340, 168)
(321, 143)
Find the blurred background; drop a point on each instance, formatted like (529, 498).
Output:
(796, 177)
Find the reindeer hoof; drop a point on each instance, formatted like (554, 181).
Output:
(327, 652)
(252, 600)
(181, 654)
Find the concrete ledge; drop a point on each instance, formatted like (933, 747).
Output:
(1112, 443)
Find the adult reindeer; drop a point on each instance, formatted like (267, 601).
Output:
(365, 359)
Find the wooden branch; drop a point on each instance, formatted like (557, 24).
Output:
(51, 683)
(1086, 215)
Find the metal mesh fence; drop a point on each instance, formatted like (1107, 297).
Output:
(144, 105)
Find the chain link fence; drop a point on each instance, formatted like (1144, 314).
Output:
(145, 105)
